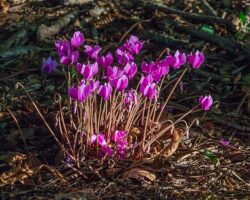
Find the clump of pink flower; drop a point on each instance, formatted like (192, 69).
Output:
(106, 105)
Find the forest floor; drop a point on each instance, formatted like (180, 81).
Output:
(203, 167)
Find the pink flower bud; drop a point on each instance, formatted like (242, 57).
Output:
(205, 102)
(88, 71)
(196, 59)
(77, 39)
(105, 91)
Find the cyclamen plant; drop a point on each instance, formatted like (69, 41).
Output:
(108, 116)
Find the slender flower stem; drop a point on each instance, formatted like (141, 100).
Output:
(176, 84)
(170, 126)
(145, 128)
(143, 112)
(100, 110)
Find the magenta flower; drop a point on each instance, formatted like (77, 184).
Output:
(148, 88)
(146, 80)
(80, 93)
(62, 47)
(118, 135)
(130, 97)
(134, 45)
(205, 102)
(77, 39)
(101, 141)
(121, 147)
(88, 71)
(99, 138)
(156, 69)
(105, 61)
(113, 72)
(105, 91)
(92, 52)
(67, 56)
(196, 59)
(177, 60)
(49, 65)
(123, 56)
(130, 69)
(224, 143)
(150, 91)
(71, 58)
(94, 85)
(148, 68)
(107, 150)
(120, 83)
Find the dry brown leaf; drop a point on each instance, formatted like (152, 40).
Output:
(139, 173)
(4, 5)
(172, 147)
(112, 171)
(23, 167)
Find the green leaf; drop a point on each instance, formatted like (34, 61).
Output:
(243, 18)
(207, 29)
(209, 155)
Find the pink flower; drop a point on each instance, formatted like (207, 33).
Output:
(120, 83)
(123, 56)
(146, 80)
(105, 91)
(105, 61)
(177, 60)
(113, 72)
(67, 56)
(122, 146)
(196, 59)
(224, 143)
(148, 68)
(80, 93)
(99, 138)
(88, 71)
(133, 44)
(130, 69)
(131, 97)
(118, 135)
(148, 88)
(107, 150)
(70, 58)
(156, 69)
(62, 47)
(77, 39)
(92, 52)
(205, 102)
(94, 85)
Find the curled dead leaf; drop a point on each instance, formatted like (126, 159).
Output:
(23, 167)
(172, 147)
(139, 173)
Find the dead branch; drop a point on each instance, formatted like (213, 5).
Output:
(192, 16)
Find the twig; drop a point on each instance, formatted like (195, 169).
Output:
(209, 8)
(192, 16)
(19, 128)
(164, 39)
(242, 101)
(18, 73)
(45, 122)
(225, 43)
(230, 123)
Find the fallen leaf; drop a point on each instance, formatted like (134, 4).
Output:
(139, 173)
(24, 166)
